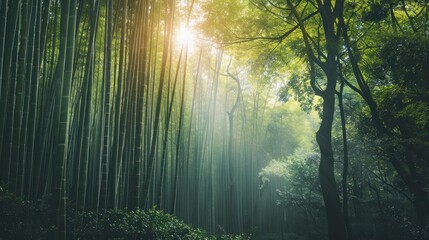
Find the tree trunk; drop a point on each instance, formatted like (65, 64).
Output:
(345, 160)
(336, 223)
(329, 15)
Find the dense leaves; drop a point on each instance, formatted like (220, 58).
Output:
(36, 220)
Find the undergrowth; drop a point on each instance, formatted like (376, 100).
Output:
(22, 219)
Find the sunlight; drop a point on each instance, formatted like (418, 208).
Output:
(186, 35)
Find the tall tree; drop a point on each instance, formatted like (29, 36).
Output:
(329, 13)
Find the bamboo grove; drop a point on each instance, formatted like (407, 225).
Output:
(101, 108)
(233, 128)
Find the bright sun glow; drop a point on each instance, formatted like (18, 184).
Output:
(186, 35)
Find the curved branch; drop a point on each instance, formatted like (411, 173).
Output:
(271, 11)
(276, 6)
(305, 34)
(317, 90)
(235, 78)
(279, 38)
(365, 91)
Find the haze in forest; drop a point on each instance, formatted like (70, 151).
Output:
(205, 119)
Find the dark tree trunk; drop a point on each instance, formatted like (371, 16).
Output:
(345, 156)
(336, 223)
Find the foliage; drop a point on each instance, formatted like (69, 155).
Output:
(409, 229)
(404, 96)
(21, 219)
(299, 84)
(138, 224)
(375, 12)
(299, 173)
(288, 128)
(36, 220)
(235, 237)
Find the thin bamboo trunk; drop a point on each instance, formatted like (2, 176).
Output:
(105, 156)
(5, 81)
(34, 113)
(165, 55)
(30, 66)
(63, 75)
(15, 156)
(83, 149)
(4, 7)
(117, 159)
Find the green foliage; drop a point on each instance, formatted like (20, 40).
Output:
(408, 229)
(375, 12)
(405, 59)
(138, 224)
(288, 128)
(235, 237)
(222, 19)
(36, 220)
(398, 105)
(402, 97)
(21, 219)
(300, 182)
(299, 84)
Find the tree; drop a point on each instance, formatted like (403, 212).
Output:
(329, 13)
(412, 24)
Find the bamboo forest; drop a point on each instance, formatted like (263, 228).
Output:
(214, 119)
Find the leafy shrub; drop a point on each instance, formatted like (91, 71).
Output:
(235, 237)
(22, 219)
(124, 224)
(36, 220)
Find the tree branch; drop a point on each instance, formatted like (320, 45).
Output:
(279, 38)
